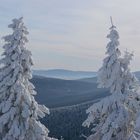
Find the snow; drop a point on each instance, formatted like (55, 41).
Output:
(19, 112)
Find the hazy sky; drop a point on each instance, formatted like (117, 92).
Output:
(71, 34)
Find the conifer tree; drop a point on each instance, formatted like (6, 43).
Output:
(19, 112)
(109, 74)
(113, 117)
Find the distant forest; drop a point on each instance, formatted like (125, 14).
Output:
(67, 122)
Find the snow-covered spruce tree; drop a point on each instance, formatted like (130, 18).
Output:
(113, 117)
(19, 112)
(109, 74)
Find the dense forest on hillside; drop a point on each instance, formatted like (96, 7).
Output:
(67, 121)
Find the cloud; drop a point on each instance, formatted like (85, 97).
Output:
(63, 31)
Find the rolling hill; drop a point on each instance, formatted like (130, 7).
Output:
(64, 74)
(57, 92)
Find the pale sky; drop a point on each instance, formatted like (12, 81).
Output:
(71, 34)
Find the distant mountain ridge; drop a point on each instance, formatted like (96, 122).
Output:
(69, 74)
(137, 74)
(65, 74)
